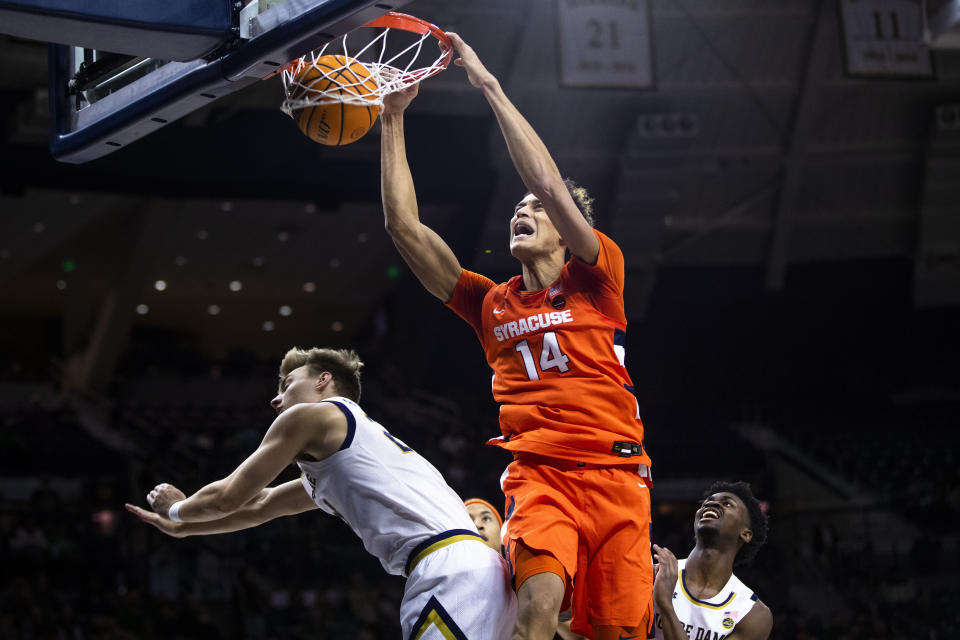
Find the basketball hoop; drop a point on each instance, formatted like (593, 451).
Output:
(391, 65)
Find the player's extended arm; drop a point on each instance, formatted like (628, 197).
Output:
(425, 252)
(289, 434)
(756, 625)
(287, 499)
(664, 584)
(531, 158)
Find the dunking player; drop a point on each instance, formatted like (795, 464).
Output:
(700, 597)
(414, 523)
(577, 499)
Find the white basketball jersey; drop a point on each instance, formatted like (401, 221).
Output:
(390, 496)
(712, 619)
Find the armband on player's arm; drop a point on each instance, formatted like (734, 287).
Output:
(284, 440)
(173, 513)
(287, 499)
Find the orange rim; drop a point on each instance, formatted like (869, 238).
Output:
(394, 20)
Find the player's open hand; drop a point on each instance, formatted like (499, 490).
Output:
(169, 527)
(665, 575)
(476, 72)
(162, 497)
(399, 100)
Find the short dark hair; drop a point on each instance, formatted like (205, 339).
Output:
(758, 519)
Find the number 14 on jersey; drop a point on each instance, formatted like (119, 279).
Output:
(551, 357)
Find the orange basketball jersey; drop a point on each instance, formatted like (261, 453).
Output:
(558, 360)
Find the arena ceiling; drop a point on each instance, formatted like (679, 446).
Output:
(753, 146)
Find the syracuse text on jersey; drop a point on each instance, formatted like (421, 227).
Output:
(530, 324)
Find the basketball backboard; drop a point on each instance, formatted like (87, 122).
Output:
(101, 101)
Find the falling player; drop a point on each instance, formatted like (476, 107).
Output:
(414, 523)
(554, 337)
(487, 520)
(700, 596)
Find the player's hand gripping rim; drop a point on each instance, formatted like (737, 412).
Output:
(399, 100)
(477, 74)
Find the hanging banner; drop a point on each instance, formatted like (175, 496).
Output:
(605, 43)
(884, 38)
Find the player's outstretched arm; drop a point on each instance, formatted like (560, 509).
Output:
(427, 255)
(531, 158)
(291, 432)
(286, 499)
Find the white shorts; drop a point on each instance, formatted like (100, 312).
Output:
(459, 592)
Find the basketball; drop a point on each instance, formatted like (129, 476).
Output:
(337, 123)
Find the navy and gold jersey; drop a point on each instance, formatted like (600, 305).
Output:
(715, 618)
(390, 495)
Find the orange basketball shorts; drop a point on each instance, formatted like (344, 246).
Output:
(595, 521)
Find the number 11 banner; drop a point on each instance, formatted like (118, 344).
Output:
(605, 44)
(884, 38)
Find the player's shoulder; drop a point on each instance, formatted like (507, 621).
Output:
(764, 617)
(756, 625)
(608, 244)
(314, 414)
(601, 236)
(473, 280)
(608, 253)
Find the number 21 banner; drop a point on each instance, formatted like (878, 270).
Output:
(605, 44)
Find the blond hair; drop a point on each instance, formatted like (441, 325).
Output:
(343, 364)
(582, 198)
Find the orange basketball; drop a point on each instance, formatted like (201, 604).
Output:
(338, 123)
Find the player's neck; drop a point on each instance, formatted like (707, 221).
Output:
(540, 273)
(327, 393)
(708, 569)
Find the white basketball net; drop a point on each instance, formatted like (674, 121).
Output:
(391, 70)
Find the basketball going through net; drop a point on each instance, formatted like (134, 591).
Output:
(335, 94)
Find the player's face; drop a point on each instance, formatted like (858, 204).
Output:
(486, 523)
(722, 512)
(297, 387)
(531, 232)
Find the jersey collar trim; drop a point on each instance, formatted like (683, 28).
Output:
(702, 603)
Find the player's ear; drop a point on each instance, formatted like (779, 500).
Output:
(323, 380)
(746, 536)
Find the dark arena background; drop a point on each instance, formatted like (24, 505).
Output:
(783, 178)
